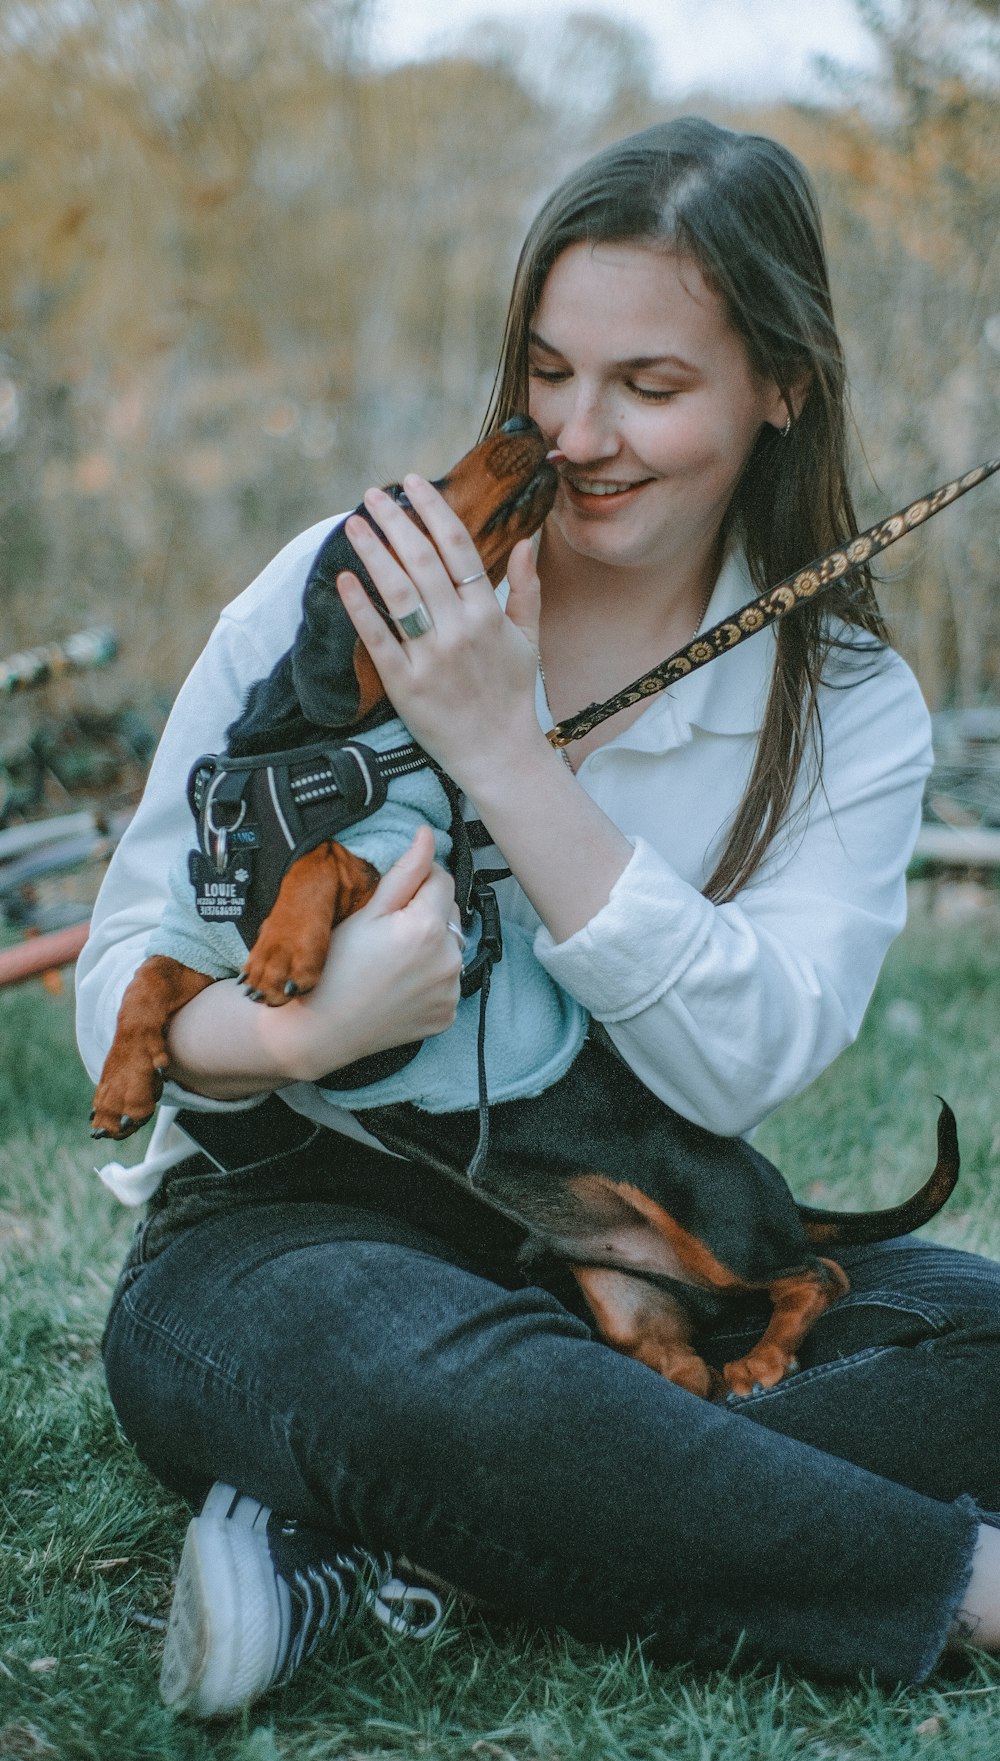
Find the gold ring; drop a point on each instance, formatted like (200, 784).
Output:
(416, 622)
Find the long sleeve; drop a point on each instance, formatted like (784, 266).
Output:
(725, 1011)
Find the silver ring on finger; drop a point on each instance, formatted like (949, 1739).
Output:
(416, 622)
(480, 575)
(457, 931)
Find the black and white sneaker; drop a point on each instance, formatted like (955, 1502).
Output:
(255, 1593)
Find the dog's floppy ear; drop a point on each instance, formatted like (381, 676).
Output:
(335, 682)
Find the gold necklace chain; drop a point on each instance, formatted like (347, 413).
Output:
(563, 751)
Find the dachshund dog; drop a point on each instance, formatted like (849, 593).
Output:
(659, 1220)
(501, 491)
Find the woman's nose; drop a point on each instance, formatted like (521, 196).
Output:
(587, 432)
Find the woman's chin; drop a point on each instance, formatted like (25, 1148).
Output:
(598, 540)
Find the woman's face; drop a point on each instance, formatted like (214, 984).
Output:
(637, 376)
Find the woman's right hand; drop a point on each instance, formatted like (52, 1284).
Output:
(391, 976)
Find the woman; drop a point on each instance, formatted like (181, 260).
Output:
(716, 876)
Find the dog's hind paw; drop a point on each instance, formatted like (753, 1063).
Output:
(761, 1369)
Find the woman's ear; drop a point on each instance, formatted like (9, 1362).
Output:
(787, 406)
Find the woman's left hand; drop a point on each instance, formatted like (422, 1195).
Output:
(466, 687)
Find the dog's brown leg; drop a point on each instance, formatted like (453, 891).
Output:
(639, 1318)
(642, 1321)
(132, 1078)
(646, 1322)
(797, 1302)
(319, 890)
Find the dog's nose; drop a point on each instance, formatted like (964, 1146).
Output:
(519, 425)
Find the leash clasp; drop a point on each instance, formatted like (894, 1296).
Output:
(490, 948)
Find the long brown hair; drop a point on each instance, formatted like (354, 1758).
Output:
(742, 207)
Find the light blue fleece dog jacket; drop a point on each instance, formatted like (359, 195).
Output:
(534, 1029)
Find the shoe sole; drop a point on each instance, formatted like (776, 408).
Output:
(228, 1623)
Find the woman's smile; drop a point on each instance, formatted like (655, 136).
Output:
(599, 495)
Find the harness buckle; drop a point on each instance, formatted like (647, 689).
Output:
(491, 939)
(490, 948)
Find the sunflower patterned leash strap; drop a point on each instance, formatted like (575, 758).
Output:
(776, 603)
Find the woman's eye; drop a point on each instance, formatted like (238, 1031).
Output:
(548, 375)
(652, 394)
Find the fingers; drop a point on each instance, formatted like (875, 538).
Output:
(438, 894)
(524, 602)
(415, 575)
(407, 875)
(415, 873)
(384, 649)
(451, 539)
(427, 567)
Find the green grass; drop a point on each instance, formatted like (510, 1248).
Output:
(88, 1541)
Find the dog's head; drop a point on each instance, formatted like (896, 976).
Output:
(501, 491)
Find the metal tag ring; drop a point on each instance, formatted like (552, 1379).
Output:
(210, 824)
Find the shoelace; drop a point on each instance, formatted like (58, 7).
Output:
(397, 1605)
(394, 1603)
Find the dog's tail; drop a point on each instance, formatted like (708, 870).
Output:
(850, 1228)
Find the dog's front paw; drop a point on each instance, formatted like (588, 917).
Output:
(126, 1096)
(277, 970)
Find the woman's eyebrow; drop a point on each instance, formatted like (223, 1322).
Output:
(637, 362)
(539, 342)
(634, 362)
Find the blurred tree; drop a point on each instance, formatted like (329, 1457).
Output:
(589, 71)
(138, 270)
(907, 171)
(244, 273)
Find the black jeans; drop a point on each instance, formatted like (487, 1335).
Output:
(352, 1341)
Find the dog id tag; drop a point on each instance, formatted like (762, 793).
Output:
(220, 895)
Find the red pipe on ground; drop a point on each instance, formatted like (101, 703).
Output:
(39, 954)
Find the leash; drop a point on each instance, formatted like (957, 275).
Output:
(795, 590)
(474, 896)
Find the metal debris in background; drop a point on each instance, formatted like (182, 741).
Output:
(52, 660)
(52, 859)
(964, 786)
(961, 819)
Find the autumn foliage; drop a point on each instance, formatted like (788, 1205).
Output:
(245, 272)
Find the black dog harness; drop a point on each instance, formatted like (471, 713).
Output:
(257, 815)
